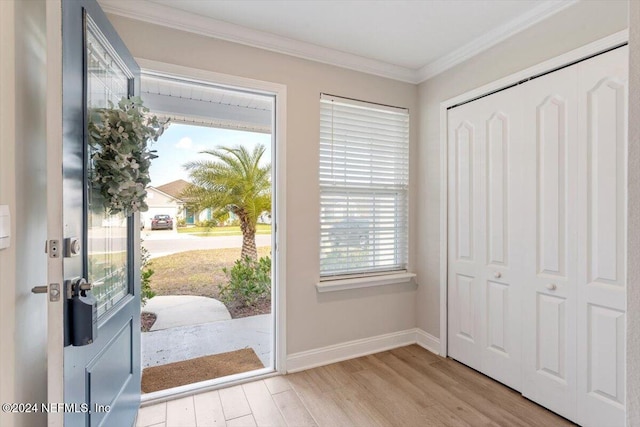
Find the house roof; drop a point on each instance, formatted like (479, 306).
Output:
(174, 188)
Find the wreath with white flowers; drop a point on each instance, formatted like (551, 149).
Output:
(120, 138)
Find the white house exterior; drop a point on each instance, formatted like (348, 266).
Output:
(161, 203)
(167, 199)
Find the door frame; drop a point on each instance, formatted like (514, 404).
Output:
(55, 322)
(579, 54)
(279, 229)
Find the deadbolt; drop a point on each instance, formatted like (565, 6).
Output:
(53, 290)
(72, 247)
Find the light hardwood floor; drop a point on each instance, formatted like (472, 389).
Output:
(408, 386)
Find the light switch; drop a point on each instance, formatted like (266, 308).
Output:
(5, 227)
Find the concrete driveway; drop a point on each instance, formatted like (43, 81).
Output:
(167, 242)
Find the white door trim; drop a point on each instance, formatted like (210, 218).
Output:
(552, 64)
(280, 236)
(55, 324)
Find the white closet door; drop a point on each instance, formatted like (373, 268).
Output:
(486, 220)
(602, 155)
(466, 233)
(549, 240)
(537, 238)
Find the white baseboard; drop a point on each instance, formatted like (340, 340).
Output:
(427, 341)
(350, 350)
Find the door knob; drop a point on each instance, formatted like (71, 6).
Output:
(497, 275)
(552, 286)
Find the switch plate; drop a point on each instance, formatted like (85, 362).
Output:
(5, 227)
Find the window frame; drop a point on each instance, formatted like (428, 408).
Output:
(397, 271)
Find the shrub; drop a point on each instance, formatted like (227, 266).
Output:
(248, 281)
(220, 218)
(182, 222)
(145, 276)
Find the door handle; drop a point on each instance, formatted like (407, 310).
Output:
(552, 286)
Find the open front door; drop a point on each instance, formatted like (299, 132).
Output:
(96, 374)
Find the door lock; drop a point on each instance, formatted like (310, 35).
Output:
(76, 286)
(83, 312)
(71, 247)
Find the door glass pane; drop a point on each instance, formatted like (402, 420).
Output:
(107, 80)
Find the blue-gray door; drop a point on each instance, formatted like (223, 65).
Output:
(105, 374)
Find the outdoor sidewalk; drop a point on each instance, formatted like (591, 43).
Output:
(183, 310)
(188, 342)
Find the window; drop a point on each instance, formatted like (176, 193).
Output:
(364, 175)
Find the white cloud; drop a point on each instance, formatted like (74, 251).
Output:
(185, 143)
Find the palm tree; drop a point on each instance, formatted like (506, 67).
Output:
(233, 182)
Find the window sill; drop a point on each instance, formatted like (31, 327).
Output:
(363, 282)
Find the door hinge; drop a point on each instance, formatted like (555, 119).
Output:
(52, 247)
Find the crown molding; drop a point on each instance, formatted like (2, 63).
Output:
(154, 13)
(159, 14)
(541, 12)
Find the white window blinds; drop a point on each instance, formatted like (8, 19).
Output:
(364, 176)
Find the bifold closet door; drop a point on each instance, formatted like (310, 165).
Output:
(601, 246)
(485, 222)
(537, 238)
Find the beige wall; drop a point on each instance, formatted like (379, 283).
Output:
(22, 187)
(7, 197)
(313, 320)
(576, 26)
(633, 294)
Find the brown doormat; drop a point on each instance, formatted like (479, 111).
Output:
(200, 369)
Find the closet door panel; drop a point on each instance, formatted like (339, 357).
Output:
(602, 239)
(485, 220)
(502, 124)
(466, 235)
(548, 244)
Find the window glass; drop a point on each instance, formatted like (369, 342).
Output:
(107, 80)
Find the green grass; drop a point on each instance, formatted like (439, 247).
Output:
(194, 272)
(232, 230)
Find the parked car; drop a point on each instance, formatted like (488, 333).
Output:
(353, 232)
(162, 222)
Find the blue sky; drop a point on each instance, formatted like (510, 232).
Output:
(182, 143)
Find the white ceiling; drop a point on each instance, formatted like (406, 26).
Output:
(405, 39)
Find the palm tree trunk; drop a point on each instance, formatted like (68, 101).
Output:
(248, 239)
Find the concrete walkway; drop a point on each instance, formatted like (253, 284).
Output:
(191, 326)
(184, 310)
(188, 342)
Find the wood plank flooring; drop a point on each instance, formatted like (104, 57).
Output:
(407, 386)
